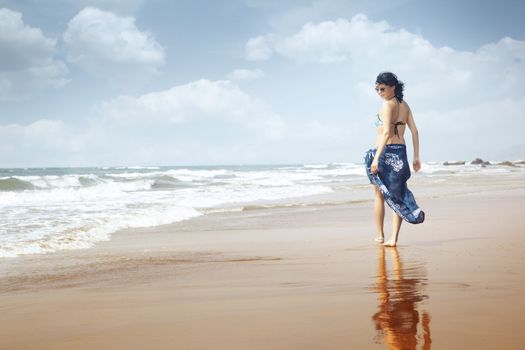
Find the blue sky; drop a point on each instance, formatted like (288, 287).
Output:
(114, 82)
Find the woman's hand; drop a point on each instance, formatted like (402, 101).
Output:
(374, 167)
(416, 164)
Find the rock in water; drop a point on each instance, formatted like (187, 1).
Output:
(507, 163)
(479, 161)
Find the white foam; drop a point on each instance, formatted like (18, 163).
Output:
(62, 214)
(316, 166)
(136, 167)
(67, 212)
(103, 191)
(84, 232)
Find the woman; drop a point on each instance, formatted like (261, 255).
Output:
(387, 165)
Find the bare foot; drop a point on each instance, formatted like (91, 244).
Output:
(390, 243)
(379, 239)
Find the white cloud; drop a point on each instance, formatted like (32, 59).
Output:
(44, 134)
(481, 130)
(200, 122)
(324, 132)
(44, 142)
(198, 100)
(459, 96)
(259, 48)
(112, 46)
(367, 47)
(245, 74)
(287, 17)
(339, 40)
(27, 62)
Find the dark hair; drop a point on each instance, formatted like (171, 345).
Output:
(390, 79)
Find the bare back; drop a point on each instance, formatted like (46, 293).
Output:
(402, 116)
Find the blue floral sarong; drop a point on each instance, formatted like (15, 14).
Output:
(392, 177)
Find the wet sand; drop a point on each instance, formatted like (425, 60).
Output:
(296, 278)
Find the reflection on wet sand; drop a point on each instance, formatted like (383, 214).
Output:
(400, 293)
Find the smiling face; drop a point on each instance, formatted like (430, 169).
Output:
(386, 92)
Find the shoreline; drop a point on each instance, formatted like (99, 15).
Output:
(48, 210)
(280, 278)
(425, 191)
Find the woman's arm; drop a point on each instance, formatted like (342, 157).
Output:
(386, 112)
(415, 140)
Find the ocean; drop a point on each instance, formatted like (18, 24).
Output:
(50, 209)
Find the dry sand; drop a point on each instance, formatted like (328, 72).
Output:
(301, 278)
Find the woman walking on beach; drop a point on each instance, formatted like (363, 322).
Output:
(387, 164)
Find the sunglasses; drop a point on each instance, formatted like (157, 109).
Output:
(380, 89)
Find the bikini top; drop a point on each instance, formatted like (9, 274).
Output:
(379, 123)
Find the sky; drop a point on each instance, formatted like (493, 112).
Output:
(151, 82)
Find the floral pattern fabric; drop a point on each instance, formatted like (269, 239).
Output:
(392, 178)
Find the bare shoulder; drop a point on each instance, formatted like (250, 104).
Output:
(388, 105)
(405, 104)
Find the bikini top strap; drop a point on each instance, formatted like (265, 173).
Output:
(395, 124)
(396, 132)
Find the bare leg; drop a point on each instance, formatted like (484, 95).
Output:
(379, 210)
(396, 225)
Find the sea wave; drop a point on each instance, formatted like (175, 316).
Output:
(45, 210)
(102, 191)
(87, 231)
(14, 184)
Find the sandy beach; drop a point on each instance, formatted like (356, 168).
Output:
(283, 278)
(209, 175)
